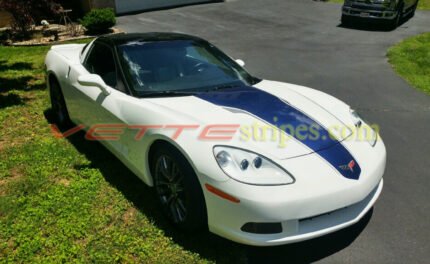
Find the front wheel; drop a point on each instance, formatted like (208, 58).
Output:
(178, 189)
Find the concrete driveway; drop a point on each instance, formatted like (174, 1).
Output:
(301, 42)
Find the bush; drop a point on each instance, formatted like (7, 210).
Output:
(99, 20)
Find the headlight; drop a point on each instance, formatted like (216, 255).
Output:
(363, 130)
(250, 168)
(386, 3)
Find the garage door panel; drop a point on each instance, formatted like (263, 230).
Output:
(124, 6)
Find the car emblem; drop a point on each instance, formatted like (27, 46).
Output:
(349, 167)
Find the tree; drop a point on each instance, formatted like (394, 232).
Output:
(28, 12)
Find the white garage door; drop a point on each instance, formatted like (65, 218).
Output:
(124, 6)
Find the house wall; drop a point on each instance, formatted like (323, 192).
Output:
(126, 6)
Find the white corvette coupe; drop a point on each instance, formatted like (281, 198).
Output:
(258, 162)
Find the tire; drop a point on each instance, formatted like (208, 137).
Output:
(58, 105)
(178, 189)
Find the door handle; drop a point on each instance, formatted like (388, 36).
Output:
(68, 72)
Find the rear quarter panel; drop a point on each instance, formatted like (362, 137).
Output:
(60, 61)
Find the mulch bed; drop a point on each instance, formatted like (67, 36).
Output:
(55, 34)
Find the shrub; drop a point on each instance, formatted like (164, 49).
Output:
(99, 20)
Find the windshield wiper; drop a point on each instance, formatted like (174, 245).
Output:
(186, 93)
(167, 94)
(223, 87)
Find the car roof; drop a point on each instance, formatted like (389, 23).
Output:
(122, 38)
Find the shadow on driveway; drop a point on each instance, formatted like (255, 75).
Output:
(311, 250)
(204, 243)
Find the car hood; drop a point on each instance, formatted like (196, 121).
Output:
(310, 128)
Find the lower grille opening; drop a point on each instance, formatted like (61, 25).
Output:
(262, 228)
(316, 216)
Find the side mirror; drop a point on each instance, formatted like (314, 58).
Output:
(241, 63)
(94, 80)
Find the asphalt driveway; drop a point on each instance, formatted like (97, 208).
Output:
(301, 42)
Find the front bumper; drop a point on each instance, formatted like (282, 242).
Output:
(368, 12)
(297, 230)
(320, 202)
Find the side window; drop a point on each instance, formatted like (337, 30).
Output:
(101, 62)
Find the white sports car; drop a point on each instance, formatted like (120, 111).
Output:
(258, 162)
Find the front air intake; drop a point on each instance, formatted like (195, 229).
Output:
(262, 228)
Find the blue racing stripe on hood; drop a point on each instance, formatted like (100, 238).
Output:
(280, 114)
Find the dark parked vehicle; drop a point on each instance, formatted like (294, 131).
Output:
(389, 11)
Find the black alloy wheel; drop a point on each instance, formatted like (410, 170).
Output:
(178, 189)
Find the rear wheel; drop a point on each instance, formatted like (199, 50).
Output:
(58, 105)
(178, 189)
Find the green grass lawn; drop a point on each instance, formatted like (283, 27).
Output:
(411, 60)
(423, 4)
(69, 200)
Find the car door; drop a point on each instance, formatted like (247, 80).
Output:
(98, 111)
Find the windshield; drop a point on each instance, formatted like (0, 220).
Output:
(179, 66)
